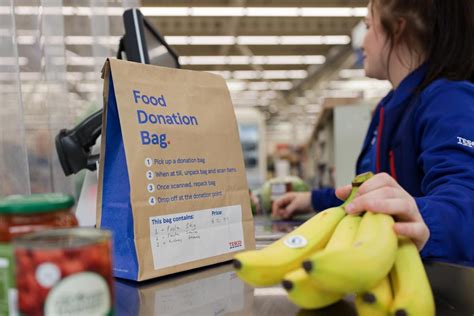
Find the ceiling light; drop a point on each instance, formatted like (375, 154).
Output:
(20, 10)
(202, 60)
(217, 11)
(250, 102)
(82, 76)
(78, 40)
(24, 76)
(90, 40)
(4, 10)
(165, 11)
(89, 87)
(25, 40)
(200, 40)
(314, 59)
(214, 60)
(316, 40)
(328, 12)
(197, 11)
(12, 61)
(212, 40)
(249, 74)
(270, 94)
(257, 60)
(281, 74)
(33, 76)
(223, 74)
(336, 40)
(236, 85)
(258, 40)
(238, 60)
(270, 74)
(313, 108)
(360, 84)
(246, 94)
(282, 60)
(351, 73)
(360, 11)
(282, 85)
(253, 11)
(341, 94)
(177, 40)
(374, 93)
(258, 85)
(82, 61)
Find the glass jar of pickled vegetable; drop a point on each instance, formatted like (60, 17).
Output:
(21, 214)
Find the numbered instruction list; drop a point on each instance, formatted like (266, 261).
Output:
(160, 189)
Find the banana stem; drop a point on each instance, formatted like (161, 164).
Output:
(351, 196)
(356, 183)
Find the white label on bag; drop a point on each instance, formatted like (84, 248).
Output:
(185, 237)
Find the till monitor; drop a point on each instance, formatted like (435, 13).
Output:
(141, 43)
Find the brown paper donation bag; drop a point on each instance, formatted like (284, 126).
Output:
(172, 185)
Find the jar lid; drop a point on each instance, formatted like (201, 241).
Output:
(35, 203)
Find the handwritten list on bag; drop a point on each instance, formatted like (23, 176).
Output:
(186, 237)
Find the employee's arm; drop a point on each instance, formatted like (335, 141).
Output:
(304, 202)
(447, 204)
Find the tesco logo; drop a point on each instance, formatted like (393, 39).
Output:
(235, 244)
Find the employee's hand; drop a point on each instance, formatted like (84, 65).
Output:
(292, 203)
(382, 194)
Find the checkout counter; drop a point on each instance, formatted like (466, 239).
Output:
(216, 290)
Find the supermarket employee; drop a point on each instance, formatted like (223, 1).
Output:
(421, 138)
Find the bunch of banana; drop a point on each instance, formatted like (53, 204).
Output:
(334, 254)
(269, 265)
(361, 266)
(377, 301)
(411, 288)
(301, 289)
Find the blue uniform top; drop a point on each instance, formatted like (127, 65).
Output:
(425, 141)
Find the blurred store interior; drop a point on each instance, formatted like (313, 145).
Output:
(293, 69)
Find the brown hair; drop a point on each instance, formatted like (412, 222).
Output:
(440, 30)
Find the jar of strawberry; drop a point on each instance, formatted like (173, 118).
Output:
(64, 272)
(22, 214)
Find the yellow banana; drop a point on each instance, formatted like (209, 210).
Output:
(268, 266)
(345, 233)
(377, 301)
(301, 289)
(412, 290)
(304, 293)
(360, 267)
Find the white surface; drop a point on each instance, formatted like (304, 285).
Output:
(350, 127)
(87, 203)
(185, 237)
